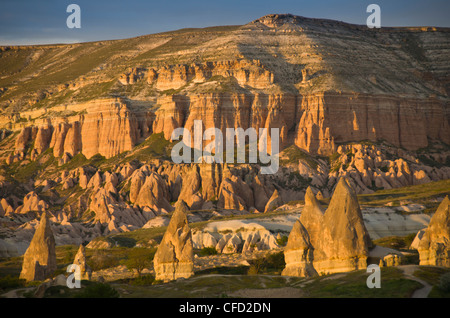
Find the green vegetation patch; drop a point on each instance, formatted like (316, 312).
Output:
(438, 277)
(396, 242)
(270, 264)
(293, 154)
(423, 194)
(393, 285)
(154, 147)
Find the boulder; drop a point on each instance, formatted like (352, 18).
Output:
(233, 245)
(32, 203)
(259, 193)
(229, 196)
(191, 185)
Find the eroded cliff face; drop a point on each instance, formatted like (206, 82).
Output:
(105, 126)
(315, 123)
(330, 118)
(321, 82)
(324, 84)
(251, 73)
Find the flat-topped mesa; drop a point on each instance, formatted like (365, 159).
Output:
(39, 261)
(174, 257)
(434, 246)
(338, 238)
(328, 99)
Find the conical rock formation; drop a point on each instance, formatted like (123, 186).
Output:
(434, 247)
(80, 260)
(334, 241)
(274, 202)
(298, 253)
(345, 241)
(39, 261)
(312, 215)
(174, 257)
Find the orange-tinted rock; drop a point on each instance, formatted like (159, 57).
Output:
(43, 138)
(40, 258)
(174, 257)
(434, 246)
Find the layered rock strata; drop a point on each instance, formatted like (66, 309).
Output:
(104, 126)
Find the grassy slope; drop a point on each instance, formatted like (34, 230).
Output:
(424, 194)
(27, 71)
(353, 284)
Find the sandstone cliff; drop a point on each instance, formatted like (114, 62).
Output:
(346, 85)
(105, 126)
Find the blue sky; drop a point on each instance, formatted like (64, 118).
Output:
(39, 22)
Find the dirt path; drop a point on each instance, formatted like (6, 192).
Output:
(408, 271)
(15, 293)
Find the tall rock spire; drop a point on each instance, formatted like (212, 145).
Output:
(345, 238)
(80, 260)
(174, 257)
(312, 215)
(39, 261)
(338, 238)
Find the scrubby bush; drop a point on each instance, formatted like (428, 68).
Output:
(144, 280)
(139, 259)
(98, 290)
(282, 241)
(272, 263)
(206, 251)
(10, 282)
(444, 283)
(102, 259)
